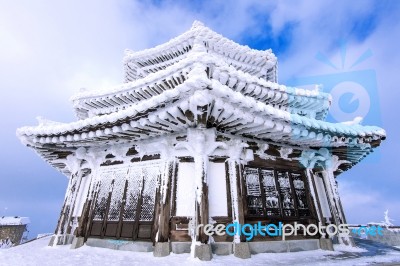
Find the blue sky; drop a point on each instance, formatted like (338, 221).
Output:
(49, 50)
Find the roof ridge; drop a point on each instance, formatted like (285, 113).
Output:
(197, 27)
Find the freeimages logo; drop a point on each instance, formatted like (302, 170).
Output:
(364, 231)
(273, 230)
(354, 93)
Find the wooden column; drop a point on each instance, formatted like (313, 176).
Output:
(201, 204)
(235, 176)
(63, 226)
(336, 212)
(82, 222)
(90, 203)
(317, 197)
(314, 194)
(66, 209)
(75, 191)
(162, 214)
(336, 205)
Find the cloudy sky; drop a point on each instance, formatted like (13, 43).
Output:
(50, 49)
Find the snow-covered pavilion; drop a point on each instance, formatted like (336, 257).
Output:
(200, 132)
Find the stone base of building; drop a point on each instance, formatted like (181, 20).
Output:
(349, 241)
(61, 240)
(180, 247)
(283, 246)
(77, 242)
(222, 248)
(242, 250)
(203, 252)
(138, 246)
(162, 249)
(326, 244)
(219, 248)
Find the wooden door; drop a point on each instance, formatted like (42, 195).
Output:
(125, 203)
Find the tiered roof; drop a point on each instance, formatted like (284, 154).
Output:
(311, 103)
(258, 63)
(201, 87)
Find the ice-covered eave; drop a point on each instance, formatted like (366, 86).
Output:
(175, 73)
(230, 111)
(119, 97)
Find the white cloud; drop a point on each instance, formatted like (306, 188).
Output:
(363, 204)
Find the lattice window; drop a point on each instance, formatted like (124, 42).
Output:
(106, 179)
(135, 183)
(139, 180)
(301, 196)
(286, 193)
(271, 193)
(275, 193)
(254, 197)
(150, 177)
(117, 194)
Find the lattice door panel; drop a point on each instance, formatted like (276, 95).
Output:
(286, 194)
(126, 200)
(150, 177)
(135, 184)
(301, 195)
(117, 194)
(272, 200)
(254, 197)
(105, 184)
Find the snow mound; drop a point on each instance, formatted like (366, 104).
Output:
(38, 253)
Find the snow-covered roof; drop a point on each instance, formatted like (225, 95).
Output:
(255, 62)
(236, 113)
(14, 220)
(202, 89)
(311, 103)
(231, 112)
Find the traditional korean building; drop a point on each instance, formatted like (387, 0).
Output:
(200, 132)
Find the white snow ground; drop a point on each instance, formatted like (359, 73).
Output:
(38, 253)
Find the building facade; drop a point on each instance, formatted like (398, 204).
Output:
(12, 229)
(199, 133)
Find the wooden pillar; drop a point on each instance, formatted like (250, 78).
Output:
(314, 194)
(330, 183)
(83, 216)
(329, 163)
(93, 158)
(162, 214)
(235, 178)
(201, 200)
(337, 211)
(63, 226)
(318, 199)
(201, 142)
(88, 209)
(66, 210)
(70, 227)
